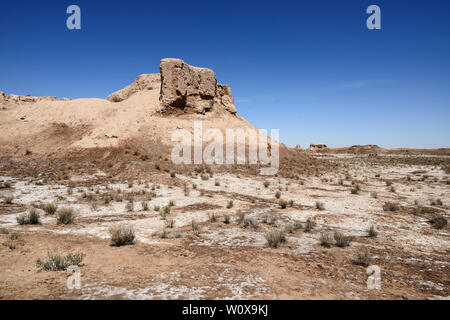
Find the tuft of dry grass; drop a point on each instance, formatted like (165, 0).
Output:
(9, 199)
(251, 222)
(391, 206)
(320, 205)
(342, 240)
(65, 216)
(31, 217)
(309, 225)
(275, 238)
(122, 235)
(438, 222)
(372, 232)
(326, 240)
(50, 208)
(362, 258)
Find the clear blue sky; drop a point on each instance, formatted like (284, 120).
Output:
(310, 68)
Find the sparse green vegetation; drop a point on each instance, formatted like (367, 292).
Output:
(56, 262)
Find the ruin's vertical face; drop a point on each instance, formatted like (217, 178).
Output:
(192, 89)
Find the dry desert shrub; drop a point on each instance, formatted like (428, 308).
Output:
(362, 258)
(9, 199)
(293, 227)
(65, 216)
(391, 206)
(212, 217)
(170, 223)
(251, 222)
(342, 240)
(195, 227)
(438, 222)
(50, 208)
(326, 240)
(355, 190)
(437, 202)
(320, 205)
(372, 232)
(240, 217)
(122, 235)
(275, 238)
(309, 225)
(31, 217)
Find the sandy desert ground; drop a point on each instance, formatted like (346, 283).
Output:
(224, 253)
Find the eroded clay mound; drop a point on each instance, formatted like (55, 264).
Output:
(143, 82)
(192, 89)
(182, 87)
